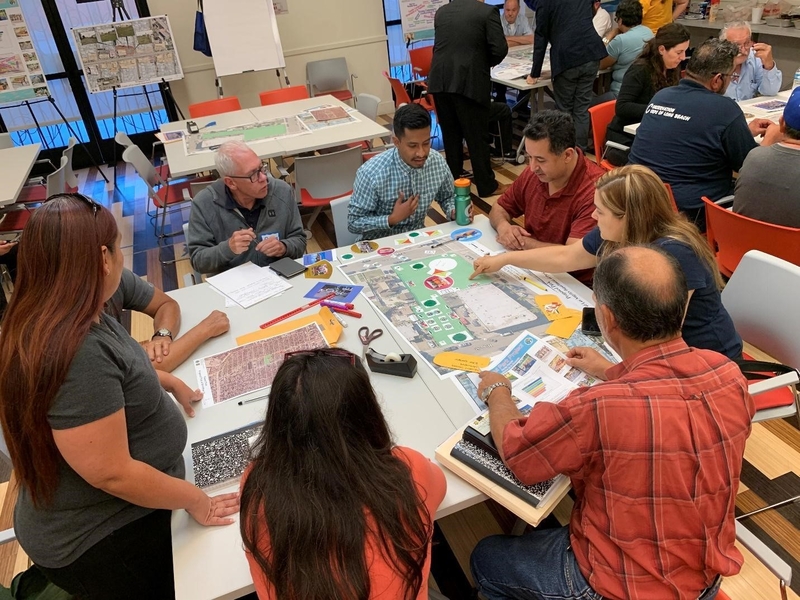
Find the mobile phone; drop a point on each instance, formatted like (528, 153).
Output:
(589, 324)
(192, 127)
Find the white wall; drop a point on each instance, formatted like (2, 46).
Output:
(313, 30)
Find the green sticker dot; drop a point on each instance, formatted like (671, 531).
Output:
(429, 303)
(347, 256)
(418, 266)
(459, 337)
(413, 234)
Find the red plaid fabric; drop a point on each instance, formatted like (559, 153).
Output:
(654, 456)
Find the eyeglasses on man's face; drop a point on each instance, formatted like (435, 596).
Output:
(255, 175)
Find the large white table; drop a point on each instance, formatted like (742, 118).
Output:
(748, 107)
(15, 167)
(422, 413)
(181, 164)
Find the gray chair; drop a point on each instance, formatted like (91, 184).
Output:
(69, 174)
(322, 178)
(339, 209)
(330, 76)
(6, 141)
(368, 106)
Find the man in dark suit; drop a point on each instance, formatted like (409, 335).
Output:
(468, 41)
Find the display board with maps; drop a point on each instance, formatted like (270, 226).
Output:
(21, 75)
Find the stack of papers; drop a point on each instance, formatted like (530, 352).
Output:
(249, 284)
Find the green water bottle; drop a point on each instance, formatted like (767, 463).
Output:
(462, 201)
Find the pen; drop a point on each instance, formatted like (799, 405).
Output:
(296, 311)
(249, 400)
(342, 305)
(350, 313)
(533, 283)
(209, 124)
(342, 322)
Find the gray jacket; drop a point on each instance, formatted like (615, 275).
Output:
(212, 223)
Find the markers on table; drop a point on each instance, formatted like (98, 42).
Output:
(251, 400)
(349, 313)
(342, 322)
(534, 283)
(297, 311)
(342, 305)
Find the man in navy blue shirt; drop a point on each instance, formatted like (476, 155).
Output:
(693, 137)
(575, 54)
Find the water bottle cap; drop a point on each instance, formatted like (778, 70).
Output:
(462, 182)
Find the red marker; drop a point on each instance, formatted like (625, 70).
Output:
(350, 313)
(296, 311)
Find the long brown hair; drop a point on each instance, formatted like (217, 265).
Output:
(668, 36)
(636, 193)
(57, 296)
(324, 478)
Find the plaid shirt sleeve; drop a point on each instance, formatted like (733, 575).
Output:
(365, 212)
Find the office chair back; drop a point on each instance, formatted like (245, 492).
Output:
(600, 116)
(6, 141)
(69, 173)
(214, 107)
(288, 94)
(421, 59)
(123, 139)
(320, 179)
(134, 156)
(731, 235)
(329, 76)
(339, 209)
(368, 105)
(401, 96)
(57, 180)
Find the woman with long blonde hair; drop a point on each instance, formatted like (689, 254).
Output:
(632, 206)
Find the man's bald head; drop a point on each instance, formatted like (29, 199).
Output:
(645, 289)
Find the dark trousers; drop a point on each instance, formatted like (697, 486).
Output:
(572, 90)
(500, 123)
(133, 563)
(465, 119)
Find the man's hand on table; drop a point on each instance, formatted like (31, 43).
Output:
(759, 126)
(512, 237)
(271, 246)
(531, 80)
(589, 361)
(487, 264)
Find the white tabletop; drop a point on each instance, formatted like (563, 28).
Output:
(748, 107)
(521, 53)
(422, 413)
(181, 164)
(15, 167)
(760, 28)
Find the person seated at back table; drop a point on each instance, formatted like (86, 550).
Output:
(754, 69)
(658, 13)
(601, 20)
(394, 190)
(555, 192)
(516, 27)
(244, 216)
(693, 137)
(624, 45)
(654, 454)
(632, 207)
(768, 186)
(330, 506)
(657, 67)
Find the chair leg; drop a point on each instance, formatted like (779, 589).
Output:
(770, 507)
(311, 220)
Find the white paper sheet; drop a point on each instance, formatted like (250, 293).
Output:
(249, 284)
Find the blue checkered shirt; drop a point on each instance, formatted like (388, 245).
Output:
(381, 179)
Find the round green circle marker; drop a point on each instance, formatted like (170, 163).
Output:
(347, 256)
(460, 337)
(413, 234)
(429, 303)
(418, 266)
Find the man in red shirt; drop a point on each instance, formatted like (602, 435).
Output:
(654, 454)
(556, 194)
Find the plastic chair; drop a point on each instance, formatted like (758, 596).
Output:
(125, 141)
(601, 115)
(322, 178)
(295, 92)
(339, 209)
(330, 76)
(671, 197)
(731, 235)
(214, 107)
(421, 59)
(368, 106)
(56, 183)
(401, 96)
(69, 175)
(6, 141)
(163, 193)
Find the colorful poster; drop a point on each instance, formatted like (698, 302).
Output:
(21, 76)
(417, 16)
(127, 53)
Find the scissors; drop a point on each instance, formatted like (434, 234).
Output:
(367, 338)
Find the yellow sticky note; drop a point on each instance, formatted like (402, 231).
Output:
(550, 305)
(564, 328)
(461, 362)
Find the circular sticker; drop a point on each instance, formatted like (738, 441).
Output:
(385, 251)
(460, 337)
(364, 247)
(347, 256)
(430, 303)
(413, 234)
(443, 264)
(438, 283)
(466, 234)
(417, 266)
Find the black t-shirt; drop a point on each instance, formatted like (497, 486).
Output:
(707, 325)
(693, 139)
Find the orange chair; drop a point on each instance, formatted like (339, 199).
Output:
(600, 116)
(731, 235)
(214, 107)
(401, 95)
(421, 59)
(295, 92)
(671, 197)
(14, 221)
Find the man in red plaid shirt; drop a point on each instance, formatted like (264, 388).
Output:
(654, 455)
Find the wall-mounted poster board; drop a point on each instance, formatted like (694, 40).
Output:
(127, 53)
(245, 39)
(416, 16)
(21, 76)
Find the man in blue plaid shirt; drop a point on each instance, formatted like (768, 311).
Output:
(393, 191)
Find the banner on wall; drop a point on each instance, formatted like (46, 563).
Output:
(416, 16)
(21, 76)
(127, 53)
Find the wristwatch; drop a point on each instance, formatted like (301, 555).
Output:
(162, 333)
(488, 391)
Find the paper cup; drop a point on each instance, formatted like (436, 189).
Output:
(756, 16)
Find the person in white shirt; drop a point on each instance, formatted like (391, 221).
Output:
(754, 70)
(516, 28)
(602, 20)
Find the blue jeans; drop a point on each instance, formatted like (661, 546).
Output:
(539, 565)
